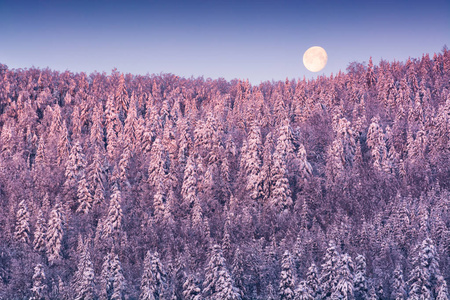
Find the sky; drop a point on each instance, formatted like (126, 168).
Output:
(255, 40)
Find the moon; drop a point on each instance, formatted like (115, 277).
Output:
(315, 59)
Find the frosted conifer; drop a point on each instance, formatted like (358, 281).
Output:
(398, 285)
(39, 234)
(360, 281)
(149, 289)
(303, 292)
(218, 282)
(84, 278)
(191, 291)
(287, 284)
(39, 289)
(344, 287)
(22, 231)
(55, 231)
(330, 270)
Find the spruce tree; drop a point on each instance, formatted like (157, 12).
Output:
(398, 285)
(22, 230)
(39, 288)
(360, 282)
(344, 287)
(39, 233)
(330, 271)
(303, 292)
(287, 285)
(218, 284)
(191, 291)
(149, 290)
(54, 235)
(83, 286)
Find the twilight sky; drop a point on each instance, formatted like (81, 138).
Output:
(258, 40)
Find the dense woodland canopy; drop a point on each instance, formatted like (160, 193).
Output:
(160, 187)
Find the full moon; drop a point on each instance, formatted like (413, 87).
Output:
(315, 59)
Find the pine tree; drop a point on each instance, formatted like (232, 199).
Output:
(113, 222)
(344, 287)
(84, 196)
(96, 177)
(398, 285)
(191, 291)
(330, 268)
(22, 231)
(287, 284)
(159, 275)
(83, 286)
(280, 191)
(419, 284)
(376, 143)
(55, 231)
(96, 131)
(441, 289)
(252, 165)
(149, 290)
(312, 281)
(39, 234)
(157, 169)
(218, 282)
(266, 172)
(106, 277)
(360, 282)
(303, 292)
(75, 168)
(39, 289)
(159, 203)
(118, 285)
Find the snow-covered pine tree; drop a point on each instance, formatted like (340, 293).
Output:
(253, 163)
(149, 290)
(266, 172)
(96, 176)
(113, 222)
(39, 288)
(39, 233)
(218, 284)
(312, 280)
(303, 292)
(75, 167)
(54, 235)
(159, 204)
(287, 284)
(157, 169)
(118, 285)
(84, 196)
(191, 290)
(159, 275)
(96, 130)
(360, 282)
(280, 199)
(22, 230)
(419, 283)
(330, 271)
(441, 289)
(398, 285)
(83, 286)
(344, 287)
(376, 143)
(106, 278)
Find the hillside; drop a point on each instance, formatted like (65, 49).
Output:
(160, 187)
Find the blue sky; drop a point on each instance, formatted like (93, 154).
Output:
(258, 40)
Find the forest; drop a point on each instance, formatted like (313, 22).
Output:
(121, 186)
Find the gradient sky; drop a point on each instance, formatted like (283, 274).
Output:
(258, 40)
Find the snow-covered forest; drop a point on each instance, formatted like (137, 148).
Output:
(161, 187)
